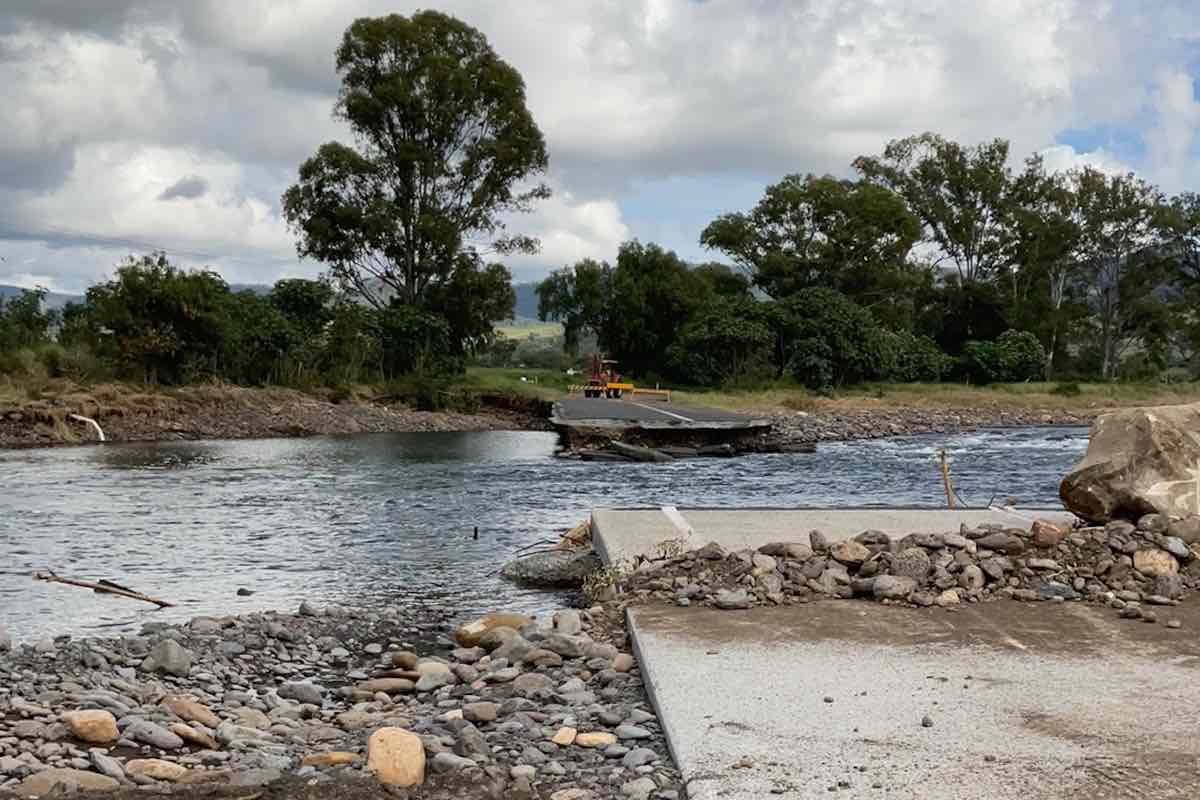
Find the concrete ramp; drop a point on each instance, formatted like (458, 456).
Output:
(624, 534)
(1028, 702)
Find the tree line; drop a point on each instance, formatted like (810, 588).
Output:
(936, 261)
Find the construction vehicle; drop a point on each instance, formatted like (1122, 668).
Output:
(605, 381)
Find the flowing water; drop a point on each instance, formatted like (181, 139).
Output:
(389, 518)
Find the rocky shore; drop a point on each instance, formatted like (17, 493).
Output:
(231, 412)
(1140, 570)
(811, 428)
(336, 702)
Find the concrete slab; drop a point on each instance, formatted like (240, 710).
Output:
(1027, 701)
(625, 534)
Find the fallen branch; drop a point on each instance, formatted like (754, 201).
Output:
(102, 587)
(93, 423)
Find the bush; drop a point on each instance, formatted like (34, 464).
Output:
(915, 359)
(1014, 357)
(828, 340)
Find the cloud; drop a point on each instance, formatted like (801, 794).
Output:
(108, 103)
(188, 188)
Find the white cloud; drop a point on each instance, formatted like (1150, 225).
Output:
(108, 106)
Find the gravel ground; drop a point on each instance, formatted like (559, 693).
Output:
(232, 705)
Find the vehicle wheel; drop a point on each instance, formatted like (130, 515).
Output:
(617, 393)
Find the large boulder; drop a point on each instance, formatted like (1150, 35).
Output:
(1139, 461)
(552, 570)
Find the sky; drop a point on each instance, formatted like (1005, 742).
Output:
(131, 125)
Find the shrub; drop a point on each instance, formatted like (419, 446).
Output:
(1014, 357)
(726, 341)
(915, 359)
(828, 340)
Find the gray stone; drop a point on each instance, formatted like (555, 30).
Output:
(971, 578)
(303, 692)
(470, 741)
(639, 757)
(1176, 547)
(956, 541)
(552, 569)
(106, 765)
(6, 641)
(147, 732)
(818, 542)
(169, 657)
(307, 609)
(1187, 529)
(480, 712)
(912, 563)
(565, 646)
(996, 567)
(641, 789)
(1154, 523)
(797, 551)
(730, 601)
(431, 681)
(893, 587)
(1139, 461)
(449, 762)
(632, 732)
(1169, 586)
(711, 552)
(568, 622)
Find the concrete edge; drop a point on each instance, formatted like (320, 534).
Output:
(648, 683)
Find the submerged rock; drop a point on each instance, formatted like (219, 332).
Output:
(555, 569)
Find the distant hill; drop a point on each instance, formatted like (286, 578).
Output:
(53, 299)
(527, 301)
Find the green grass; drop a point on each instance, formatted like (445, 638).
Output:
(530, 330)
(781, 398)
(544, 384)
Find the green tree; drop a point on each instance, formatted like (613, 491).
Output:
(257, 339)
(159, 323)
(809, 231)
(1042, 233)
(959, 194)
(25, 321)
(1121, 265)
(445, 149)
(471, 302)
(1014, 357)
(727, 339)
(307, 305)
(827, 340)
(579, 297)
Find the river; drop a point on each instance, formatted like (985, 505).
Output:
(389, 518)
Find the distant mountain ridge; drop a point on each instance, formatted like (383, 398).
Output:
(527, 301)
(53, 299)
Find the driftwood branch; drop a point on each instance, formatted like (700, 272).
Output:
(102, 587)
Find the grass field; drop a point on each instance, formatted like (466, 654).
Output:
(781, 399)
(530, 330)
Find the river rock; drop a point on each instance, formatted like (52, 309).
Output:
(388, 686)
(193, 736)
(396, 757)
(169, 657)
(1139, 461)
(189, 709)
(154, 735)
(303, 692)
(106, 765)
(632, 451)
(552, 570)
(893, 587)
(849, 552)
(332, 758)
(1186, 529)
(793, 550)
(971, 578)
(596, 739)
(6, 641)
(156, 768)
(1047, 534)
(731, 601)
(64, 781)
(1155, 562)
(912, 563)
(93, 727)
(469, 634)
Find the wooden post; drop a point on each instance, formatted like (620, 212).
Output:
(946, 479)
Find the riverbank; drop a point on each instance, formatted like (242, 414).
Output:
(342, 699)
(219, 411)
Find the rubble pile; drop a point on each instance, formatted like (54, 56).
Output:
(1152, 563)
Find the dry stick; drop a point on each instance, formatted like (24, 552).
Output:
(946, 480)
(104, 587)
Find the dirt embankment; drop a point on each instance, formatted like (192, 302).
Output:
(134, 414)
